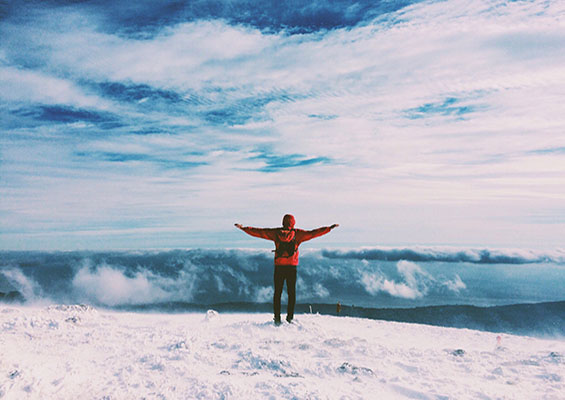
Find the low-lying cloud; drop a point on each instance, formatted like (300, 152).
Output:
(111, 287)
(224, 276)
(412, 283)
(430, 254)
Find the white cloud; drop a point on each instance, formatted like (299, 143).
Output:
(28, 287)
(455, 285)
(414, 282)
(375, 284)
(110, 286)
(23, 85)
(320, 291)
(264, 294)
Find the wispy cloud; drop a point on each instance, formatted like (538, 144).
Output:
(276, 162)
(68, 115)
(168, 162)
(403, 120)
(448, 107)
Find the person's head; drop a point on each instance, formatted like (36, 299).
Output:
(288, 221)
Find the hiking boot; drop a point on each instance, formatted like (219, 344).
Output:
(277, 321)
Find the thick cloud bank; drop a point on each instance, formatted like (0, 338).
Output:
(371, 278)
(478, 256)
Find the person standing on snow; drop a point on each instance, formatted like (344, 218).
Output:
(287, 239)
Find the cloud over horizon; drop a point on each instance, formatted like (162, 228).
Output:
(144, 126)
(217, 276)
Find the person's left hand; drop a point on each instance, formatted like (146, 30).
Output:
(334, 226)
(239, 226)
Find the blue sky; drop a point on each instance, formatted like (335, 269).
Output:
(133, 125)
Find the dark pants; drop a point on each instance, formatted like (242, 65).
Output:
(288, 274)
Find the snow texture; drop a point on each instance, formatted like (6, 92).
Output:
(70, 352)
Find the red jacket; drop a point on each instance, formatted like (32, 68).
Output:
(278, 235)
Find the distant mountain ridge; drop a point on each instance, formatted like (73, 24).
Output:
(537, 319)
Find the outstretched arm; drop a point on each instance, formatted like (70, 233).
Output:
(263, 233)
(303, 236)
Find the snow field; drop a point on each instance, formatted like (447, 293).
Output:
(69, 352)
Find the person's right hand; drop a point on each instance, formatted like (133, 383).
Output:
(239, 226)
(334, 226)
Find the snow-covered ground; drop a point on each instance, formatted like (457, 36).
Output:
(72, 352)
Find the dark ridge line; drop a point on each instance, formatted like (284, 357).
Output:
(545, 319)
